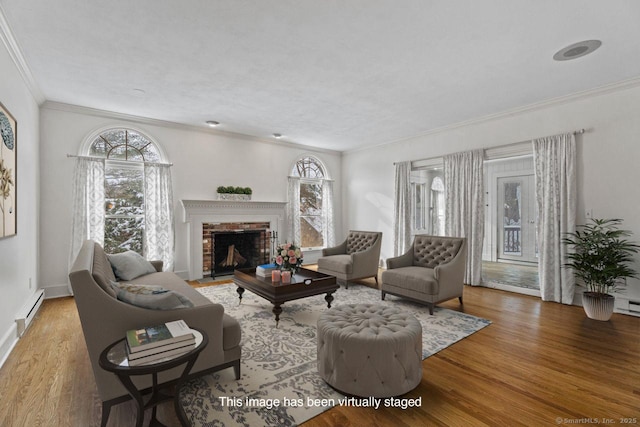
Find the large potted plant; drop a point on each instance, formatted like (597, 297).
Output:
(600, 258)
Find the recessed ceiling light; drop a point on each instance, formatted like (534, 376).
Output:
(277, 136)
(212, 123)
(577, 50)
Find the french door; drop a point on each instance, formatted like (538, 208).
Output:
(516, 218)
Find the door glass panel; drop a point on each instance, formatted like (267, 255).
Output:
(512, 219)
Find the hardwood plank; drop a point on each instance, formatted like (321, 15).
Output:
(537, 361)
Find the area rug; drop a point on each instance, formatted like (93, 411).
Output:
(280, 385)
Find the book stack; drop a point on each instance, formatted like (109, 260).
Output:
(265, 270)
(161, 342)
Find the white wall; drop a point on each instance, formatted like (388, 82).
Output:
(202, 160)
(19, 254)
(608, 159)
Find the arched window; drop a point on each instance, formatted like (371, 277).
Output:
(427, 198)
(124, 144)
(311, 207)
(123, 188)
(125, 152)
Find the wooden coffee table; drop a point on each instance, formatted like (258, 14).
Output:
(305, 283)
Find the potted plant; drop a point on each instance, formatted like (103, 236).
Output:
(234, 193)
(600, 257)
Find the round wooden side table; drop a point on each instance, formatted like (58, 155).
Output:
(114, 359)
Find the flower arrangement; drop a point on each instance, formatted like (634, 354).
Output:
(288, 256)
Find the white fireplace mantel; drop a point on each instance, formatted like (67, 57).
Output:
(198, 212)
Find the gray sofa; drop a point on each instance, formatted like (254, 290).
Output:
(355, 258)
(105, 319)
(431, 271)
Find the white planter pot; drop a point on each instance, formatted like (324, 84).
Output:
(598, 306)
(228, 196)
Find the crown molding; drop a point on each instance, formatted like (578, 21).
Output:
(561, 100)
(18, 59)
(72, 108)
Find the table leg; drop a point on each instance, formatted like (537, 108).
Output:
(277, 309)
(178, 408)
(154, 394)
(240, 291)
(137, 397)
(329, 299)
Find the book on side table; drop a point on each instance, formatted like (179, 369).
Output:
(157, 342)
(136, 359)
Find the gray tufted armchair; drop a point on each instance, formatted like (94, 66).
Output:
(355, 258)
(431, 271)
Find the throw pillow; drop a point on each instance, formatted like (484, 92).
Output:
(129, 265)
(150, 296)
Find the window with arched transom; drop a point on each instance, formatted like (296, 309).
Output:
(123, 195)
(311, 196)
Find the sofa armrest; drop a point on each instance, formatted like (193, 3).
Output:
(366, 255)
(335, 250)
(105, 320)
(157, 264)
(452, 272)
(404, 260)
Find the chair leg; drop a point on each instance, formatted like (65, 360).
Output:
(382, 294)
(377, 284)
(236, 369)
(460, 298)
(431, 308)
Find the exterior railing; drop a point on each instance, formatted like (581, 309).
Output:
(511, 244)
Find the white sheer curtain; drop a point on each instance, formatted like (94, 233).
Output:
(555, 176)
(293, 211)
(88, 204)
(158, 205)
(327, 213)
(402, 209)
(464, 199)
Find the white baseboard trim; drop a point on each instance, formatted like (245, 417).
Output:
(56, 291)
(8, 342)
(184, 274)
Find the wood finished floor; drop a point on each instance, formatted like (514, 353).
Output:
(520, 276)
(537, 362)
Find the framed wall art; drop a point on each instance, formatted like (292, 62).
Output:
(8, 163)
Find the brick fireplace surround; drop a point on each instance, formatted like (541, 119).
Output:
(263, 242)
(224, 213)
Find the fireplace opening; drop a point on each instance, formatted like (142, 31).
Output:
(237, 249)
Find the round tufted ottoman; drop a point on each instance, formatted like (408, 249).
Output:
(369, 350)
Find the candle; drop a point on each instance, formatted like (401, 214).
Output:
(286, 276)
(275, 276)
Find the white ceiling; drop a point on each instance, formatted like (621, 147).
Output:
(340, 75)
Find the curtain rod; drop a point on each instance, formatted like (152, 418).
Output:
(575, 132)
(311, 179)
(131, 161)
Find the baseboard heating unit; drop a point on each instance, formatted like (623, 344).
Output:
(28, 312)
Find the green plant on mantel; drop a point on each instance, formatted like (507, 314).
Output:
(234, 190)
(601, 254)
